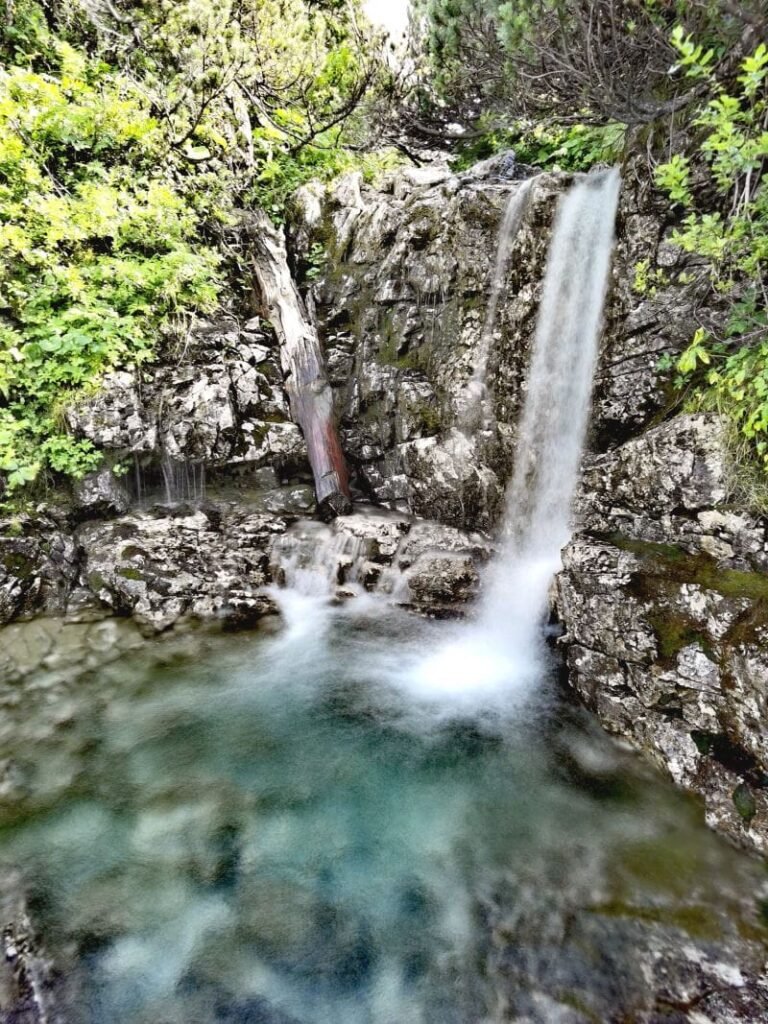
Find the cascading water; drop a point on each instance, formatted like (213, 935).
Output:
(183, 481)
(502, 646)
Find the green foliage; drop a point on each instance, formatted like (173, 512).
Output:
(575, 147)
(316, 259)
(127, 138)
(730, 372)
(281, 175)
(99, 251)
(647, 279)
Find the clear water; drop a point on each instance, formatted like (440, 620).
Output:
(283, 828)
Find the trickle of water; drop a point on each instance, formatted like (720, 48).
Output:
(475, 398)
(183, 481)
(313, 559)
(510, 225)
(501, 653)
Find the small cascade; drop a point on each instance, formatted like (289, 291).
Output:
(475, 412)
(168, 482)
(503, 647)
(315, 560)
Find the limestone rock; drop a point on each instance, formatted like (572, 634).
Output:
(100, 494)
(669, 651)
(38, 565)
(162, 568)
(115, 418)
(219, 401)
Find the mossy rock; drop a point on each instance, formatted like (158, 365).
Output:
(744, 802)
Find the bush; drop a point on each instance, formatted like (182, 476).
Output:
(729, 372)
(99, 251)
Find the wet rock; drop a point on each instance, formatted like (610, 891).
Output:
(598, 958)
(38, 565)
(164, 567)
(100, 494)
(219, 400)
(295, 501)
(442, 584)
(116, 417)
(401, 314)
(663, 596)
(401, 308)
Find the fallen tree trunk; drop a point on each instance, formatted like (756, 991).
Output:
(306, 382)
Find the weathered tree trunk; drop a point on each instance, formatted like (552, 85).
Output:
(306, 382)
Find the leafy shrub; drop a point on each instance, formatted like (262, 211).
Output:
(99, 251)
(729, 372)
(575, 147)
(127, 138)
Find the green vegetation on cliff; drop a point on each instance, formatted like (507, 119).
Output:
(129, 135)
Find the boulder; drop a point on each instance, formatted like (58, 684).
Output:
(38, 566)
(663, 595)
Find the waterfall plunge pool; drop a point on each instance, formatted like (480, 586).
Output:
(280, 829)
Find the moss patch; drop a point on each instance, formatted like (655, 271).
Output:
(744, 802)
(19, 565)
(130, 574)
(679, 566)
(674, 632)
(698, 922)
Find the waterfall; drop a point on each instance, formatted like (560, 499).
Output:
(554, 420)
(503, 645)
(183, 482)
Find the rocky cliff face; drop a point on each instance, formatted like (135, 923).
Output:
(401, 295)
(664, 595)
(663, 591)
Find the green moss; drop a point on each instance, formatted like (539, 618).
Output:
(390, 356)
(679, 566)
(697, 921)
(430, 417)
(130, 574)
(744, 802)
(96, 581)
(674, 631)
(18, 565)
(648, 550)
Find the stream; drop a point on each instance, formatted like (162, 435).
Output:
(357, 816)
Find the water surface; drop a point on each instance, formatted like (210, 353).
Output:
(280, 828)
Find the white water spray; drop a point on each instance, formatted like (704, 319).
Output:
(501, 652)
